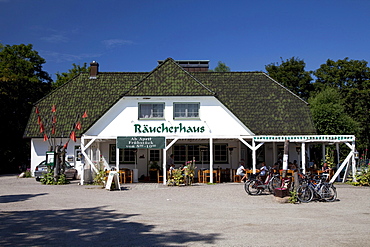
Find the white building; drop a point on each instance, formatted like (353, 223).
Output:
(219, 118)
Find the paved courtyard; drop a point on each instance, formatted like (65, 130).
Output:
(32, 214)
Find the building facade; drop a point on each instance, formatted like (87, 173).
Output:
(137, 119)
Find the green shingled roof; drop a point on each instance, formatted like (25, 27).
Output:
(169, 79)
(262, 104)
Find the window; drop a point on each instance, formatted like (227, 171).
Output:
(112, 154)
(220, 152)
(154, 155)
(129, 155)
(200, 152)
(186, 110)
(261, 154)
(151, 110)
(180, 152)
(126, 155)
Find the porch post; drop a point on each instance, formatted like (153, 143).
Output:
(211, 158)
(285, 157)
(354, 170)
(165, 158)
(254, 156)
(337, 147)
(164, 168)
(83, 163)
(323, 153)
(348, 161)
(344, 163)
(303, 150)
(98, 152)
(117, 159)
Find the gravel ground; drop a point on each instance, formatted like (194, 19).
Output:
(32, 214)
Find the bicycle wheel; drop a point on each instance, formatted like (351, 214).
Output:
(273, 184)
(251, 187)
(304, 193)
(246, 186)
(328, 193)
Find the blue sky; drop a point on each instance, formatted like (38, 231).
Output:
(131, 35)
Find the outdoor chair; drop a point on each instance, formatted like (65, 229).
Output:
(160, 176)
(200, 176)
(207, 174)
(126, 176)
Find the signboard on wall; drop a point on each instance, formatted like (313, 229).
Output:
(146, 142)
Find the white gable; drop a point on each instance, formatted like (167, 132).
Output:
(122, 120)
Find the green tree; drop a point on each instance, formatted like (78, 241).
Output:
(352, 79)
(22, 82)
(329, 116)
(292, 75)
(67, 76)
(221, 67)
(343, 74)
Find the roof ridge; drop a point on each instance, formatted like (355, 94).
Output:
(53, 91)
(122, 72)
(145, 77)
(163, 64)
(196, 79)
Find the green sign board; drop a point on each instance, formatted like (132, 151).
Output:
(141, 142)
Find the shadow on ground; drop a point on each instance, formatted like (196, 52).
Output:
(87, 227)
(18, 198)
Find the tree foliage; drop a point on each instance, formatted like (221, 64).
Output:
(22, 82)
(292, 75)
(329, 115)
(343, 74)
(338, 97)
(352, 79)
(221, 67)
(67, 76)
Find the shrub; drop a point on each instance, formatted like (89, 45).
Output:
(100, 178)
(363, 179)
(293, 197)
(50, 180)
(27, 173)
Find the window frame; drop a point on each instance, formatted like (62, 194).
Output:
(223, 153)
(126, 155)
(151, 109)
(186, 110)
(188, 151)
(155, 154)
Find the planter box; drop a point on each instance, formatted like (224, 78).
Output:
(281, 192)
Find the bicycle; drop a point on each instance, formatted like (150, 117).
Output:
(255, 186)
(316, 188)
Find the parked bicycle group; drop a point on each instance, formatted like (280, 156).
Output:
(308, 186)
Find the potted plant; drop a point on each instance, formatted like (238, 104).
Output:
(153, 167)
(189, 172)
